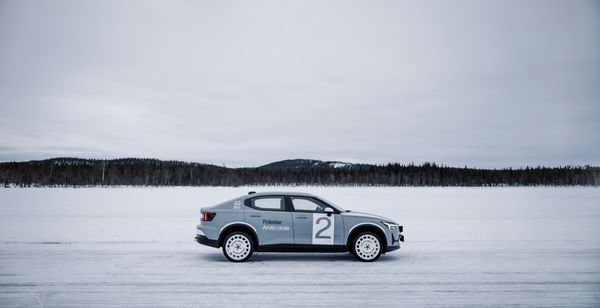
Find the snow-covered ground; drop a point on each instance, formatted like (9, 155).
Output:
(464, 247)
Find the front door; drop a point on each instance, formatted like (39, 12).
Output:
(272, 222)
(312, 226)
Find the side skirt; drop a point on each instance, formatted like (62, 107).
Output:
(302, 248)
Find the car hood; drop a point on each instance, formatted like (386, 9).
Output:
(366, 215)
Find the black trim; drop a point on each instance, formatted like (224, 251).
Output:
(288, 204)
(288, 207)
(237, 227)
(358, 229)
(201, 239)
(302, 248)
(392, 248)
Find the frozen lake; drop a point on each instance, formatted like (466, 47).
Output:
(464, 247)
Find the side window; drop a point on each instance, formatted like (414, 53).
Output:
(307, 205)
(268, 203)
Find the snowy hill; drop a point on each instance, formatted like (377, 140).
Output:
(306, 163)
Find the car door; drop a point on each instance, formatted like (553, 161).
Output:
(268, 216)
(312, 226)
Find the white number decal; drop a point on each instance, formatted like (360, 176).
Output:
(322, 229)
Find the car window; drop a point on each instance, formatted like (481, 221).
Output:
(307, 205)
(268, 203)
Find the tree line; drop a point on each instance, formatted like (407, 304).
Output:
(153, 172)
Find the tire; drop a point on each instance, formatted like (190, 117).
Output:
(238, 246)
(367, 246)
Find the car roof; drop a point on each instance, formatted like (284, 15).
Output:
(279, 193)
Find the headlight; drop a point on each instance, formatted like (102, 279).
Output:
(390, 225)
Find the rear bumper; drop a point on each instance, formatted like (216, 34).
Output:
(201, 239)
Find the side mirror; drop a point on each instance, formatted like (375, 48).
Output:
(329, 211)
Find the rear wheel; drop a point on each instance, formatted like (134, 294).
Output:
(238, 247)
(367, 247)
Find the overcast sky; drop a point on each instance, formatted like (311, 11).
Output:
(244, 83)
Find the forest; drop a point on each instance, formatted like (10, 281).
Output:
(75, 172)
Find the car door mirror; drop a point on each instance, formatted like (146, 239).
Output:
(329, 211)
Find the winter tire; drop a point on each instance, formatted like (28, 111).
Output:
(238, 247)
(367, 247)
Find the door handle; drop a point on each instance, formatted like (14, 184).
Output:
(254, 215)
(301, 217)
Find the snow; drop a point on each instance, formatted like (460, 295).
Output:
(465, 247)
(339, 165)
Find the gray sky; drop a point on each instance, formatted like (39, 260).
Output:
(481, 83)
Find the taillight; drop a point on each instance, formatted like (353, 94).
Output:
(206, 216)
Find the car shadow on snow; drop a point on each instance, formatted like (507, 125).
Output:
(295, 257)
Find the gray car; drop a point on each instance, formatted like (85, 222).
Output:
(294, 222)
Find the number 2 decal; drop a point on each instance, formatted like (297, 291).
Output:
(322, 229)
(326, 219)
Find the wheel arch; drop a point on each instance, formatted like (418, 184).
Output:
(364, 227)
(238, 226)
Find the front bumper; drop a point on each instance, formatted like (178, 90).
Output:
(201, 239)
(397, 237)
(392, 248)
(400, 237)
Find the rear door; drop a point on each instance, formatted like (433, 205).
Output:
(273, 224)
(312, 226)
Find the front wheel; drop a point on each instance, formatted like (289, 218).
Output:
(238, 247)
(367, 247)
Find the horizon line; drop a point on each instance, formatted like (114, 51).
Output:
(440, 165)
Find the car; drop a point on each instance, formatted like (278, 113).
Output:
(294, 222)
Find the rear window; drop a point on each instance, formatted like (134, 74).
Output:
(268, 203)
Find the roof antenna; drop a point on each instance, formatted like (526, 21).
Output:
(251, 192)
